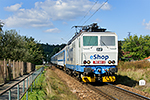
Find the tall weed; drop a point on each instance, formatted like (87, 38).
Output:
(134, 64)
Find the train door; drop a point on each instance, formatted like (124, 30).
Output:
(78, 51)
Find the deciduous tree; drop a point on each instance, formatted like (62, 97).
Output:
(137, 48)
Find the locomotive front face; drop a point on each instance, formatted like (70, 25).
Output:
(99, 49)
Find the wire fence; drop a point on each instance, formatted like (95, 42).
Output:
(19, 89)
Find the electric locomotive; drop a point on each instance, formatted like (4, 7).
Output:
(91, 55)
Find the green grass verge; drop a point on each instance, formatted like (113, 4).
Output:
(50, 87)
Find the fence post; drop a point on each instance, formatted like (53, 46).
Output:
(30, 67)
(9, 70)
(19, 67)
(9, 94)
(13, 69)
(22, 67)
(5, 69)
(27, 67)
(27, 90)
(18, 94)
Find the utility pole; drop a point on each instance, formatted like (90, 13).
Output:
(129, 34)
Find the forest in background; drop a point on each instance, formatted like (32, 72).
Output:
(50, 50)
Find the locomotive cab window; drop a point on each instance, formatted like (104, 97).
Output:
(107, 40)
(90, 41)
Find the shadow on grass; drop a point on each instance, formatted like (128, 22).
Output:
(125, 80)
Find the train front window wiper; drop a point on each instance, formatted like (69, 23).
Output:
(104, 43)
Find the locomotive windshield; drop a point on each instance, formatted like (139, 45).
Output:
(107, 40)
(90, 40)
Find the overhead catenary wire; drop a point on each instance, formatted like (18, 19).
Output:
(82, 18)
(91, 15)
(88, 11)
(95, 11)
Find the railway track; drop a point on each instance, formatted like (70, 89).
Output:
(112, 92)
(100, 92)
(119, 93)
(129, 93)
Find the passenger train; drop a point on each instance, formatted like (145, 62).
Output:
(91, 55)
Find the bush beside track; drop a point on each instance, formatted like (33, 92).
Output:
(129, 74)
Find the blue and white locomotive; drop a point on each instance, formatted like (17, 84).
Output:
(91, 55)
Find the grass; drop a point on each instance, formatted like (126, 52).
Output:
(129, 73)
(50, 87)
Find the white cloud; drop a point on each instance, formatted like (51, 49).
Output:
(64, 23)
(29, 18)
(43, 12)
(147, 25)
(54, 30)
(106, 6)
(13, 7)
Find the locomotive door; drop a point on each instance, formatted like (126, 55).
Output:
(78, 50)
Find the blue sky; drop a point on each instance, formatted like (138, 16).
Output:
(50, 21)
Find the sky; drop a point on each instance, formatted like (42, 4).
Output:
(51, 21)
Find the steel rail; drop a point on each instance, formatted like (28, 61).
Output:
(101, 93)
(136, 94)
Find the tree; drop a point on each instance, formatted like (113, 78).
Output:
(16, 47)
(1, 25)
(136, 47)
(34, 51)
(50, 50)
(120, 52)
(12, 45)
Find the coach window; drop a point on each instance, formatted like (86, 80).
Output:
(90, 41)
(107, 40)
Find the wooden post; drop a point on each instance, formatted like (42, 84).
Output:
(9, 69)
(14, 69)
(27, 67)
(22, 68)
(30, 67)
(5, 69)
(19, 67)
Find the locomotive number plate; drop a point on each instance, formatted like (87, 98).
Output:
(99, 62)
(108, 79)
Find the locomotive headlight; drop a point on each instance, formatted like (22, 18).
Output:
(84, 62)
(99, 70)
(113, 61)
(88, 62)
(109, 62)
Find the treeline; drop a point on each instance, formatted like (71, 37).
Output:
(16, 47)
(50, 50)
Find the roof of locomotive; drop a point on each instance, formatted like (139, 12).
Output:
(81, 32)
